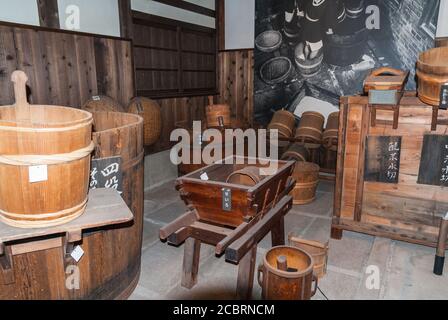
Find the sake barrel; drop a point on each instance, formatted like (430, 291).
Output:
(306, 175)
(44, 161)
(102, 103)
(249, 176)
(297, 282)
(330, 135)
(311, 127)
(307, 67)
(218, 115)
(297, 152)
(432, 73)
(150, 111)
(285, 122)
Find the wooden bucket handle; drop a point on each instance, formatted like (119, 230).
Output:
(19, 78)
(388, 70)
(210, 100)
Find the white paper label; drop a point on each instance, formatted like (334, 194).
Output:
(38, 173)
(96, 98)
(204, 176)
(77, 253)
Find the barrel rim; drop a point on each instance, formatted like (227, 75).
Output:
(433, 68)
(135, 115)
(40, 125)
(287, 274)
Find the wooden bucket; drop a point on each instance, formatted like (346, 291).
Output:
(297, 152)
(311, 127)
(285, 122)
(292, 280)
(306, 175)
(44, 161)
(102, 103)
(432, 73)
(330, 135)
(110, 267)
(150, 111)
(308, 67)
(318, 250)
(249, 176)
(218, 115)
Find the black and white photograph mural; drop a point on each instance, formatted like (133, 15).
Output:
(308, 53)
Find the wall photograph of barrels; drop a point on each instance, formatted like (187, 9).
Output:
(214, 158)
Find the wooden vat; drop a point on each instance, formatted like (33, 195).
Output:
(102, 103)
(307, 67)
(330, 135)
(55, 141)
(297, 152)
(110, 267)
(283, 121)
(292, 281)
(311, 127)
(405, 210)
(150, 111)
(318, 250)
(432, 73)
(205, 194)
(306, 175)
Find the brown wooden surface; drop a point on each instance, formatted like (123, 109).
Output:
(48, 13)
(125, 13)
(432, 73)
(65, 68)
(190, 266)
(114, 273)
(404, 211)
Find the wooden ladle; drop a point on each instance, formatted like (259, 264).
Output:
(22, 107)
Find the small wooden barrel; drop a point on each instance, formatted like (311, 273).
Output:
(311, 127)
(44, 161)
(268, 41)
(432, 73)
(293, 284)
(297, 152)
(330, 135)
(150, 111)
(249, 176)
(102, 103)
(306, 175)
(285, 122)
(276, 70)
(218, 115)
(308, 67)
(318, 250)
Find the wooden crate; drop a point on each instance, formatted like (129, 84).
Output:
(404, 210)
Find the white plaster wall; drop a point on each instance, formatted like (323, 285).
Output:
(23, 11)
(209, 4)
(163, 10)
(442, 29)
(99, 16)
(240, 24)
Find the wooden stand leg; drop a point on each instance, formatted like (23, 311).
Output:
(336, 234)
(278, 233)
(190, 266)
(246, 272)
(6, 266)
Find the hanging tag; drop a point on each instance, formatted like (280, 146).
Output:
(77, 253)
(204, 176)
(38, 173)
(444, 97)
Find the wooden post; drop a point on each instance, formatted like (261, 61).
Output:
(125, 12)
(221, 24)
(282, 263)
(48, 13)
(190, 266)
(246, 272)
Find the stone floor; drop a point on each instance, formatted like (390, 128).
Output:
(405, 270)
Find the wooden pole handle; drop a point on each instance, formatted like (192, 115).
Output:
(282, 263)
(19, 78)
(210, 100)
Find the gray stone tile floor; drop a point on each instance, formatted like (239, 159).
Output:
(405, 270)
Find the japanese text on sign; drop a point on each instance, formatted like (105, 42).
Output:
(106, 173)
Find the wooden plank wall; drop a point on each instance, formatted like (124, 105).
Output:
(236, 82)
(65, 68)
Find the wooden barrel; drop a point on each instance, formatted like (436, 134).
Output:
(432, 73)
(345, 49)
(294, 283)
(297, 152)
(249, 176)
(102, 103)
(285, 122)
(318, 250)
(311, 127)
(218, 115)
(268, 41)
(150, 111)
(110, 266)
(276, 70)
(44, 161)
(307, 67)
(306, 175)
(330, 135)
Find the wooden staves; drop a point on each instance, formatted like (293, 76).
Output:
(434, 161)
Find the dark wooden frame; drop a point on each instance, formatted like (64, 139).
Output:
(188, 6)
